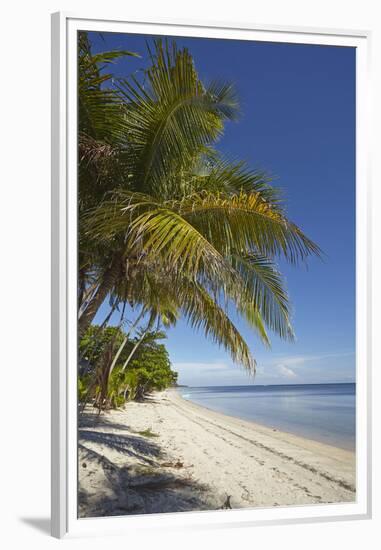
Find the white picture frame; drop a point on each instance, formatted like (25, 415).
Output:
(64, 242)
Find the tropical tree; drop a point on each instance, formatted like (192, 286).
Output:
(101, 132)
(150, 367)
(184, 228)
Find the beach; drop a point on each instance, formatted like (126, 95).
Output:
(167, 454)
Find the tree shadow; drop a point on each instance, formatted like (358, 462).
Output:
(94, 420)
(150, 398)
(134, 490)
(134, 446)
(134, 479)
(39, 524)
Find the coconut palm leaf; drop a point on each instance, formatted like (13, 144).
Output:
(203, 313)
(247, 220)
(231, 177)
(205, 224)
(264, 288)
(198, 236)
(99, 106)
(171, 116)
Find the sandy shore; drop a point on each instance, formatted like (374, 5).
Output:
(168, 454)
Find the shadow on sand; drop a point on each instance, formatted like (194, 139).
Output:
(131, 445)
(141, 486)
(123, 472)
(94, 420)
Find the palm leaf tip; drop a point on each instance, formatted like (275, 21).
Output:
(203, 313)
(224, 97)
(113, 55)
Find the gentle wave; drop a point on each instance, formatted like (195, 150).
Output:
(324, 412)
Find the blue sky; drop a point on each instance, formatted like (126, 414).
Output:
(297, 123)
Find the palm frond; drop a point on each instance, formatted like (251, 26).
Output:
(203, 313)
(263, 288)
(99, 106)
(245, 221)
(234, 177)
(171, 115)
(221, 222)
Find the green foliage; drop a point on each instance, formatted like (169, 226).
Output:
(153, 368)
(101, 139)
(83, 386)
(148, 433)
(169, 225)
(95, 340)
(149, 370)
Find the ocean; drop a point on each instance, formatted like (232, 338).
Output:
(323, 412)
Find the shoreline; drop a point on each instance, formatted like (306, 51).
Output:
(168, 454)
(259, 425)
(265, 427)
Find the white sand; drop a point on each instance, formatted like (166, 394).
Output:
(200, 460)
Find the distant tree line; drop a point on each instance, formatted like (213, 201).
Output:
(142, 366)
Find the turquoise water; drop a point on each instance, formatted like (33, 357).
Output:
(324, 412)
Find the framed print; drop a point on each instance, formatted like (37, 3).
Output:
(211, 275)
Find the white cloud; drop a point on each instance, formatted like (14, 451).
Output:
(286, 372)
(302, 368)
(295, 361)
(196, 367)
(305, 368)
(211, 374)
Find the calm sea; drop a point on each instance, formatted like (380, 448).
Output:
(324, 412)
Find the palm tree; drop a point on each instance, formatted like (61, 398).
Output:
(201, 232)
(154, 137)
(100, 134)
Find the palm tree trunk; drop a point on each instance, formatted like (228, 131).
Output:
(104, 377)
(121, 347)
(85, 295)
(98, 332)
(110, 276)
(134, 349)
(149, 325)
